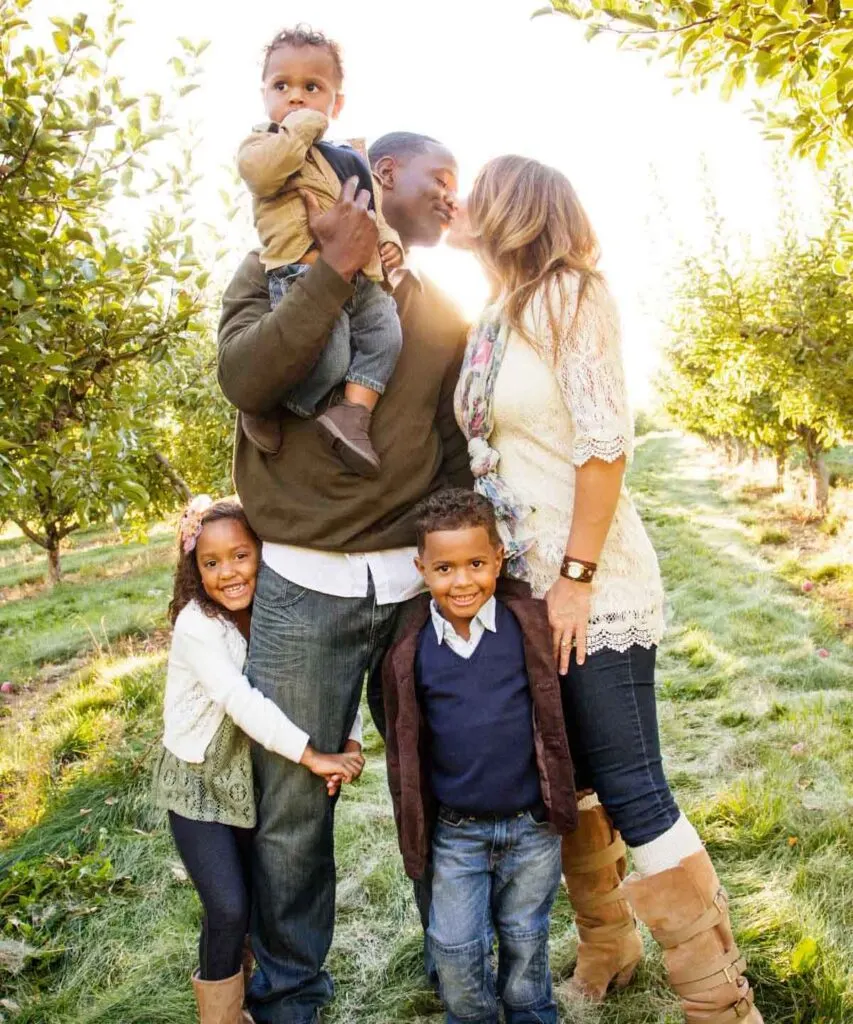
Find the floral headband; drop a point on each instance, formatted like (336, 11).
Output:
(192, 521)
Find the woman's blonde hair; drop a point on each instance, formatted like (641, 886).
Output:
(529, 227)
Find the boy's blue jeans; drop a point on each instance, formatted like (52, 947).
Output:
(493, 878)
(362, 348)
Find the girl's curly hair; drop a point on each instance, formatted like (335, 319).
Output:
(188, 585)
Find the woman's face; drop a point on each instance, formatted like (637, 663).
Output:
(227, 558)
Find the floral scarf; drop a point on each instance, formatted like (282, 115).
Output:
(474, 412)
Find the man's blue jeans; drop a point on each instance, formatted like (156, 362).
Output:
(308, 653)
(493, 878)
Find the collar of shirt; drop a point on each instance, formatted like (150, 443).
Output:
(482, 621)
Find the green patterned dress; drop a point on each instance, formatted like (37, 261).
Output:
(219, 789)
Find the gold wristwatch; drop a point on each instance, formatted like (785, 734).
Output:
(577, 570)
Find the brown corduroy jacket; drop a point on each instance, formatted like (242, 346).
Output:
(407, 736)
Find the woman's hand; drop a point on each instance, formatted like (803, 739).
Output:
(568, 612)
(335, 768)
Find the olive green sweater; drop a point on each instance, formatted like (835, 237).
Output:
(304, 495)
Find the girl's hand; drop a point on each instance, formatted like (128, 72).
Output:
(339, 767)
(391, 256)
(333, 784)
(568, 612)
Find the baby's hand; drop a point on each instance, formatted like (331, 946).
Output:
(334, 768)
(391, 256)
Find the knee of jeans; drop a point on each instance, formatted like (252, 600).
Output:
(463, 975)
(524, 978)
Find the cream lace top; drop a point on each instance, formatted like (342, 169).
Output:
(554, 409)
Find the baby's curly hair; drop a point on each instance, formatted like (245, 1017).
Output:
(304, 35)
(454, 509)
(188, 585)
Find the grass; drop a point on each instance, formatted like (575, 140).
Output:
(96, 926)
(110, 590)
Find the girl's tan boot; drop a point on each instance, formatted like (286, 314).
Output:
(687, 912)
(221, 1002)
(610, 947)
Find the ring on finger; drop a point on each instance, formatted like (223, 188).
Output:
(565, 643)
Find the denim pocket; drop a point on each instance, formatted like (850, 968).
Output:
(276, 592)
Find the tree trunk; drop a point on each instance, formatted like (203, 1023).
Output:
(54, 573)
(818, 473)
(781, 465)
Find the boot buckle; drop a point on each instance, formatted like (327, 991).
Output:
(742, 1008)
(731, 974)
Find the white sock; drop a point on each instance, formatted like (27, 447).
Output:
(586, 803)
(668, 850)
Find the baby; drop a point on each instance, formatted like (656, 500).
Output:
(302, 82)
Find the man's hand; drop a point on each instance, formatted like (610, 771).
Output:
(391, 256)
(346, 235)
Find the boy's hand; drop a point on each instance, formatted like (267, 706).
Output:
(391, 255)
(346, 235)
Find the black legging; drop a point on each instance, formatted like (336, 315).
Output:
(218, 860)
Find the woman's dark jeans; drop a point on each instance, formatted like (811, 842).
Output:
(611, 721)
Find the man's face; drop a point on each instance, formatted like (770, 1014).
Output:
(301, 78)
(419, 194)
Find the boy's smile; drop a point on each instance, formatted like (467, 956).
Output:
(461, 569)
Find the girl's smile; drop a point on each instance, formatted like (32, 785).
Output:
(227, 558)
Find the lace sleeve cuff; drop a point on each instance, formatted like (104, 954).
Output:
(608, 449)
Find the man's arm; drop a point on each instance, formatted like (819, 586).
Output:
(455, 465)
(264, 353)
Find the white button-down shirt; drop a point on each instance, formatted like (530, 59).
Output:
(393, 571)
(445, 633)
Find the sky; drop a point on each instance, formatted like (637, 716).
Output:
(486, 79)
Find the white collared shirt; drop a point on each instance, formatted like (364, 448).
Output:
(482, 621)
(393, 571)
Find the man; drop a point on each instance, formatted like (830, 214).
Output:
(337, 549)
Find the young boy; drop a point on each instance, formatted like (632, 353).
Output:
(282, 161)
(478, 765)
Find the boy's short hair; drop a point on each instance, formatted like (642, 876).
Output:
(454, 509)
(304, 35)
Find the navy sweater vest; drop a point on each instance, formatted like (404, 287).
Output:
(480, 717)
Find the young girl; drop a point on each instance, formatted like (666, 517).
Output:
(203, 776)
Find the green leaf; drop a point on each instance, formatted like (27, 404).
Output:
(60, 40)
(75, 234)
(804, 955)
(23, 291)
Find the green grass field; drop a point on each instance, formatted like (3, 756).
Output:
(98, 923)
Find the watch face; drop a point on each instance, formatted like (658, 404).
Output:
(575, 570)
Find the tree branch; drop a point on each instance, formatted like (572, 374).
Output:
(27, 532)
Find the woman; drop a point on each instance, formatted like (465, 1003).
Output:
(542, 401)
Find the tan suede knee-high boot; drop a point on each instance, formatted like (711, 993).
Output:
(687, 912)
(610, 946)
(221, 1002)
